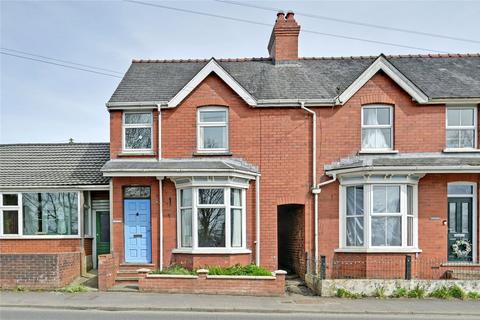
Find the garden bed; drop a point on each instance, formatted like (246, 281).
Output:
(237, 280)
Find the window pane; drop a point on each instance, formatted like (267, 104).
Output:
(186, 223)
(104, 226)
(10, 199)
(410, 231)
(383, 138)
(369, 138)
(378, 231)
(359, 200)
(10, 222)
(453, 138)
(211, 227)
(214, 137)
(466, 138)
(136, 192)
(213, 116)
(460, 189)
(467, 117)
(465, 218)
(210, 196)
(354, 231)
(394, 231)
(236, 219)
(379, 199)
(355, 200)
(452, 223)
(393, 199)
(138, 118)
(370, 116)
(50, 213)
(453, 117)
(186, 197)
(383, 116)
(236, 197)
(138, 138)
(350, 201)
(409, 200)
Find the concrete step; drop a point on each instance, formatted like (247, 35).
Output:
(127, 273)
(297, 286)
(126, 280)
(124, 287)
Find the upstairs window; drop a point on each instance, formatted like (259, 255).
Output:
(377, 128)
(461, 127)
(212, 127)
(137, 131)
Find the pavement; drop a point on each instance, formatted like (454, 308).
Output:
(297, 304)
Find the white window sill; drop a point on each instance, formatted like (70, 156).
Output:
(136, 153)
(461, 264)
(378, 151)
(212, 251)
(212, 153)
(378, 250)
(462, 150)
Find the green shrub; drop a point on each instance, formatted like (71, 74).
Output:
(441, 293)
(238, 270)
(344, 293)
(418, 293)
(400, 292)
(175, 269)
(19, 289)
(457, 292)
(74, 289)
(380, 293)
(473, 295)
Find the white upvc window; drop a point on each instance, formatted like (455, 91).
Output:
(377, 128)
(137, 131)
(10, 214)
(378, 217)
(461, 127)
(40, 214)
(211, 219)
(212, 129)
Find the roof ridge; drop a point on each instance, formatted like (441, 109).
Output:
(245, 59)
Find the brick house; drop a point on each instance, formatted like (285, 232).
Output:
(287, 162)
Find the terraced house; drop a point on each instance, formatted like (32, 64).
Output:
(353, 167)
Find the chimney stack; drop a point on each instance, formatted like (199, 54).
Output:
(283, 44)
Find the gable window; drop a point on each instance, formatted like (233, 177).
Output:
(461, 127)
(137, 131)
(378, 217)
(377, 128)
(211, 219)
(212, 129)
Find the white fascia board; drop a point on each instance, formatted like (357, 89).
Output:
(179, 173)
(134, 105)
(55, 188)
(454, 101)
(406, 170)
(211, 66)
(382, 64)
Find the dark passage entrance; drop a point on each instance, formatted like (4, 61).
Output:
(291, 238)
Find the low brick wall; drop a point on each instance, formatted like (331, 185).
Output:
(38, 270)
(205, 284)
(107, 271)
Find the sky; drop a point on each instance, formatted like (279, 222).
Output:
(47, 103)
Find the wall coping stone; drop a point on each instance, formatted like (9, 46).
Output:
(174, 276)
(242, 277)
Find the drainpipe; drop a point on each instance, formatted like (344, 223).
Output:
(257, 220)
(160, 190)
(314, 189)
(159, 131)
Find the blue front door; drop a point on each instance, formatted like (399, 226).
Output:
(138, 246)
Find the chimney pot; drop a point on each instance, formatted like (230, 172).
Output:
(280, 15)
(290, 15)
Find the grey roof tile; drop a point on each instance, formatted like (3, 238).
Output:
(70, 164)
(312, 78)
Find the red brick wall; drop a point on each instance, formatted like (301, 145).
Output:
(88, 242)
(192, 261)
(107, 271)
(39, 245)
(38, 270)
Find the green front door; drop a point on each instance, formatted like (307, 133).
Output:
(103, 232)
(460, 223)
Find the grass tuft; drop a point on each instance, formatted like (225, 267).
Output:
(418, 293)
(74, 289)
(400, 292)
(238, 270)
(380, 293)
(457, 292)
(473, 295)
(344, 293)
(441, 293)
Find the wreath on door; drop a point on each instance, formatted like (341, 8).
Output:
(461, 248)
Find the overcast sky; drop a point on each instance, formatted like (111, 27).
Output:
(47, 103)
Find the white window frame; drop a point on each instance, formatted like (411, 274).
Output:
(228, 249)
(473, 195)
(472, 127)
(201, 124)
(20, 234)
(377, 126)
(368, 214)
(135, 125)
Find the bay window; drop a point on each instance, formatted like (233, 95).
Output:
(39, 214)
(461, 127)
(212, 129)
(377, 128)
(137, 131)
(378, 216)
(211, 219)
